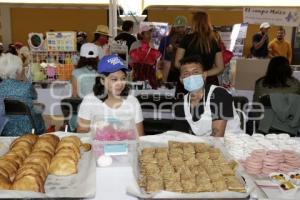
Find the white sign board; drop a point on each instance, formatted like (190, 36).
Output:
(275, 16)
(61, 41)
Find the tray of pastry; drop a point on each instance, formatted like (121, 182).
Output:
(187, 170)
(51, 165)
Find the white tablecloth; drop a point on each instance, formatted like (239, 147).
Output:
(112, 183)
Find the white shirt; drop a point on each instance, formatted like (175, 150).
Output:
(91, 106)
(10, 66)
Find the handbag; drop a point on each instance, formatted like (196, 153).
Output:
(227, 55)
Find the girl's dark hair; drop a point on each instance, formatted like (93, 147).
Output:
(91, 63)
(278, 72)
(99, 90)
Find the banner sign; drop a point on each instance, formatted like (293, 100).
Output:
(61, 41)
(275, 16)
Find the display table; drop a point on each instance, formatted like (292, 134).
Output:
(112, 182)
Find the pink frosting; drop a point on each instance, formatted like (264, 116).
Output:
(261, 161)
(108, 133)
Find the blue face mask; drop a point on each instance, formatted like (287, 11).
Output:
(193, 83)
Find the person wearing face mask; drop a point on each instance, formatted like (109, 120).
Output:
(279, 46)
(101, 36)
(205, 109)
(260, 41)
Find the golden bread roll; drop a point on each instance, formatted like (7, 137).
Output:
(38, 155)
(29, 183)
(30, 138)
(72, 138)
(15, 157)
(37, 167)
(25, 151)
(68, 144)
(43, 154)
(13, 162)
(5, 183)
(41, 160)
(86, 147)
(37, 162)
(8, 163)
(21, 143)
(52, 138)
(62, 166)
(19, 153)
(44, 143)
(67, 152)
(4, 173)
(48, 150)
(8, 167)
(29, 171)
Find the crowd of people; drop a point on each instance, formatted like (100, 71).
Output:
(192, 59)
(263, 48)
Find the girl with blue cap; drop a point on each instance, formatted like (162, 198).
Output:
(110, 97)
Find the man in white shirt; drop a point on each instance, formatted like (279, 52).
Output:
(101, 36)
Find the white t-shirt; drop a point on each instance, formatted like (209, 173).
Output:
(91, 106)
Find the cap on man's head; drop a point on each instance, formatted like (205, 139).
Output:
(264, 25)
(81, 34)
(110, 64)
(180, 21)
(144, 28)
(89, 50)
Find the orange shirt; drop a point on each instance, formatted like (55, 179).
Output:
(280, 48)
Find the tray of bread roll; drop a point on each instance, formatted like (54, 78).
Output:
(53, 165)
(185, 169)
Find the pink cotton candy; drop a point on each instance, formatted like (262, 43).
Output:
(108, 133)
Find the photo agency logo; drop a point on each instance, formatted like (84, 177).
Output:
(155, 104)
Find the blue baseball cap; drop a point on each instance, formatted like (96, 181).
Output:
(111, 64)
